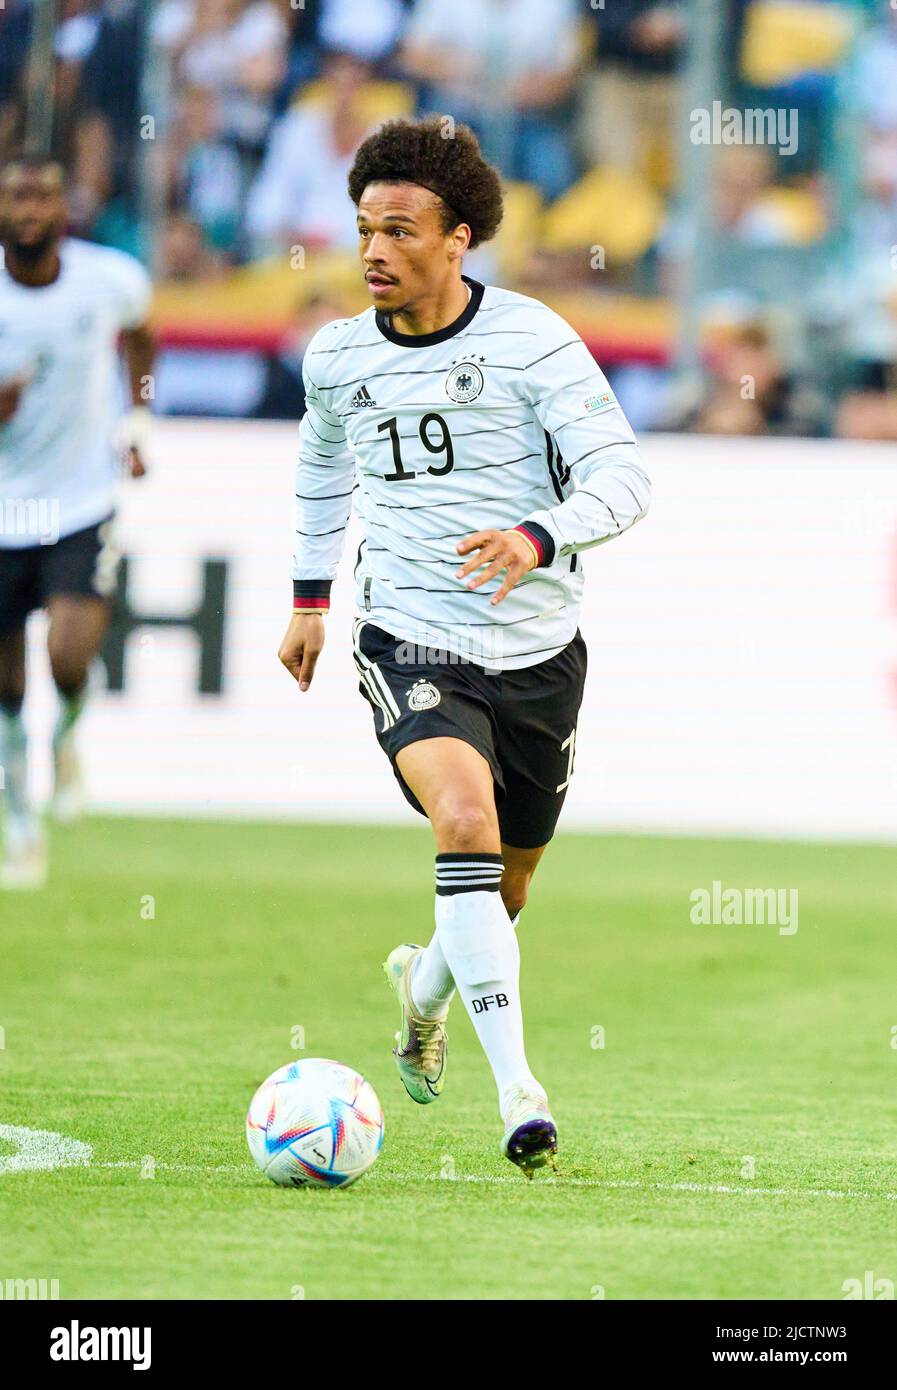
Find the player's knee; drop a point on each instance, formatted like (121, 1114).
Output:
(465, 826)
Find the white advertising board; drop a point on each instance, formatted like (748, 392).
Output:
(742, 641)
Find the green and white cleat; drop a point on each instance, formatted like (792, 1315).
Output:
(531, 1138)
(420, 1042)
(24, 865)
(67, 806)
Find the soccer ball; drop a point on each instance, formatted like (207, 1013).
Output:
(314, 1123)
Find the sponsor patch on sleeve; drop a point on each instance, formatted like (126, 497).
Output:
(601, 402)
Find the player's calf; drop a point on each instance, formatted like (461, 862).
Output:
(24, 859)
(77, 625)
(68, 783)
(520, 866)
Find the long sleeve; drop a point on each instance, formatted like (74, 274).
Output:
(325, 475)
(590, 441)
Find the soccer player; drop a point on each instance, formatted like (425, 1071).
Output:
(484, 450)
(63, 305)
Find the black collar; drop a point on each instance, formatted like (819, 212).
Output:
(420, 340)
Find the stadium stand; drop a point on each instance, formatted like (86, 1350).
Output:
(214, 140)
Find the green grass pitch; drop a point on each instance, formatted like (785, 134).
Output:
(733, 1138)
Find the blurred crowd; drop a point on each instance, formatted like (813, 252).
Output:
(227, 127)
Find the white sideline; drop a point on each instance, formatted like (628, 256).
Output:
(41, 1149)
(711, 1189)
(707, 1188)
(44, 1150)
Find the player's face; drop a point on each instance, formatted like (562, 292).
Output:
(404, 248)
(32, 210)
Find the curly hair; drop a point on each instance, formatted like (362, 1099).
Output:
(445, 159)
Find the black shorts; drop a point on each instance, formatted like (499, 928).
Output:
(85, 562)
(523, 722)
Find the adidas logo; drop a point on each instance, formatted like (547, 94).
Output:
(362, 398)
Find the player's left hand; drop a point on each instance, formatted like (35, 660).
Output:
(497, 550)
(134, 463)
(133, 438)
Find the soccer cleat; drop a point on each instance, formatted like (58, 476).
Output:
(67, 805)
(531, 1138)
(25, 863)
(420, 1042)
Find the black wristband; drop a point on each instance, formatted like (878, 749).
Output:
(311, 594)
(542, 541)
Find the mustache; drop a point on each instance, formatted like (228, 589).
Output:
(30, 251)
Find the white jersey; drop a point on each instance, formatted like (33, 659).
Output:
(57, 451)
(500, 419)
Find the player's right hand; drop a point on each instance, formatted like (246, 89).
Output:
(302, 645)
(11, 395)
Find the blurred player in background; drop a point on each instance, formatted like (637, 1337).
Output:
(485, 451)
(63, 306)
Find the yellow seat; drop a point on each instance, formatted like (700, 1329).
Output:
(519, 232)
(260, 299)
(608, 207)
(799, 212)
(379, 101)
(783, 39)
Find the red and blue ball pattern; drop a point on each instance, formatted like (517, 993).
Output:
(315, 1123)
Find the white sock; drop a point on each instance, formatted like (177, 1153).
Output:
(481, 951)
(71, 707)
(432, 983)
(14, 764)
